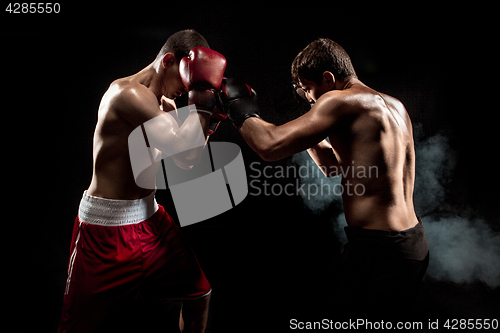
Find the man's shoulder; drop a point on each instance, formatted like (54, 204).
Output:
(130, 100)
(360, 104)
(363, 98)
(345, 101)
(393, 102)
(124, 93)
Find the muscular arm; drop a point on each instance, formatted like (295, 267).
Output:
(183, 142)
(322, 154)
(276, 142)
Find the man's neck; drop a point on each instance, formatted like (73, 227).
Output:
(151, 78)
(347, 83)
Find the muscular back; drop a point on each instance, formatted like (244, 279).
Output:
(112, 175)
(373, 143)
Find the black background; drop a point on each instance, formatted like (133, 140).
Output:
(270, 259)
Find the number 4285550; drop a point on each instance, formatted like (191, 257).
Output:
(33, 8)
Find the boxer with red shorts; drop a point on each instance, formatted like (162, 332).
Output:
(122, 248)
(125, 247)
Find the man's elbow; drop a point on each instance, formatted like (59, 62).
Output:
(189, 158)
(183, 164)
(268, 157)
(267, 153)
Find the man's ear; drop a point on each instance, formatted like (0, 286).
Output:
(168, 59)
(329, 79)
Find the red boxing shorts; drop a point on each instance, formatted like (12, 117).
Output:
(121, 249)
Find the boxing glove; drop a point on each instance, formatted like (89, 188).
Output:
(202, 72)
(240, 101)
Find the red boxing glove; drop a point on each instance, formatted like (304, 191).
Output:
(202, 69)
(202, 72)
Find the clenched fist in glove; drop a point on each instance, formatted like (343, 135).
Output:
(240, 101)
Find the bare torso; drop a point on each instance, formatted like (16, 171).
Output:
(373, 143)
(128, 103)
(112, 171)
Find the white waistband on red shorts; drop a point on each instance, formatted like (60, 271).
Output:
(111, 212)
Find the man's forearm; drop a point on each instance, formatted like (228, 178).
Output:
(263, 137)
(322, 154)
(188, 133)
(273, 142)
(189, 129)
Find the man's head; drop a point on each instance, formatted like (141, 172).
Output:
(319, 65)
(180, 43)
(175, 48)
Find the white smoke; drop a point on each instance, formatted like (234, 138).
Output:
(461, 250)
(434, 164)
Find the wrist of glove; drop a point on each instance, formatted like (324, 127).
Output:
(240, 110)
(207, 101)
(213, 125)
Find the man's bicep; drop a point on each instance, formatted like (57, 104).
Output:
(140, 108)
(137, 105)
(309, 129)
(185, 142)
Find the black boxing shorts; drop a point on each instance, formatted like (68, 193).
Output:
(382, 271)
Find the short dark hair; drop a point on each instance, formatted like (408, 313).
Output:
(181, 43)
(322, 55)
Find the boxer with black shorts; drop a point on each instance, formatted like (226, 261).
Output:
(387, 252)
(125, 247)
